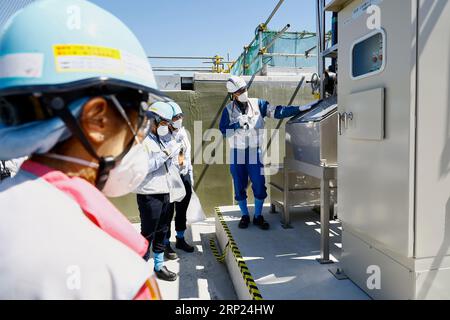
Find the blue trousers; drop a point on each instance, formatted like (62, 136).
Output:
(246, 165)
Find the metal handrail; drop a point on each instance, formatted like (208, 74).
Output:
(218, 63)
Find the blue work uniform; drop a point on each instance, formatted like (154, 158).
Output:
(246, 162)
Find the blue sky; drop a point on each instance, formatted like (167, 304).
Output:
(204, 27)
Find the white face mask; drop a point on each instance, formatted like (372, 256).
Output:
(128, 175)
(163, 131)
(178, 124)
(243, 97)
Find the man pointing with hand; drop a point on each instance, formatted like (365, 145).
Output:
(243, 122)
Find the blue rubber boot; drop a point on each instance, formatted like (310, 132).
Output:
(258, 207)
(159, 260)
(161, 270)
(244, 208)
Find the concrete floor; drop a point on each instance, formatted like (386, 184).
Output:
(282, 261)
(200, 276)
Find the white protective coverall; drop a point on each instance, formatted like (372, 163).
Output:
(49, 249)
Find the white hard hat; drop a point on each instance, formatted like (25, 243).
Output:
(234, 84)
(163, 110)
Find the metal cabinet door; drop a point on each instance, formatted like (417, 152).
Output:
(364, 115)
(375, 154)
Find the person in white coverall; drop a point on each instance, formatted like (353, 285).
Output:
(185, 169)
(242, 123)
(162, 186)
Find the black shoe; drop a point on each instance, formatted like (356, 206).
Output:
(181, 244)
(165, 274)
(169, 253)
(245, 221)
(260, 222)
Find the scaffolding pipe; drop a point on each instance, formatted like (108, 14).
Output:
(307, 52)
(273, 12)
(244, 64)
(264, 25)
(181, 69)
(261, 48)
(251, 43)
(182, 57)
(270, 45)
(222, 62)
(292, 55)
(277, 36)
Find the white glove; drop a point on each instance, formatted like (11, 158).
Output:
(243, 121)
(184, 170)
(252, 123)
(172, 148)
(178, 137)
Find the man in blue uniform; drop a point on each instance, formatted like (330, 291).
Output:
(242, 124)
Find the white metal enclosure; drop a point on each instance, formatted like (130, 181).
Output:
(394, 150)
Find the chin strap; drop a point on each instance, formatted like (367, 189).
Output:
(105, 164)
(79, 161)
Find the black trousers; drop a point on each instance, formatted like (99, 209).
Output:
(155, 220)
(180, 207)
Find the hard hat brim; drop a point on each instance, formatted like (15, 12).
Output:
(106, 84)
(154, 115)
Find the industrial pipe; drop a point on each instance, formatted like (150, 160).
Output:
(222, 62)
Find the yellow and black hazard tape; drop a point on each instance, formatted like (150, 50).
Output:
(245, 272)
(215, 251)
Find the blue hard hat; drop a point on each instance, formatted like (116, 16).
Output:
(176, 108)
(160, 110)
(61, 45)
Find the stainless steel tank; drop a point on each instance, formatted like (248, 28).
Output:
(312, 137)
